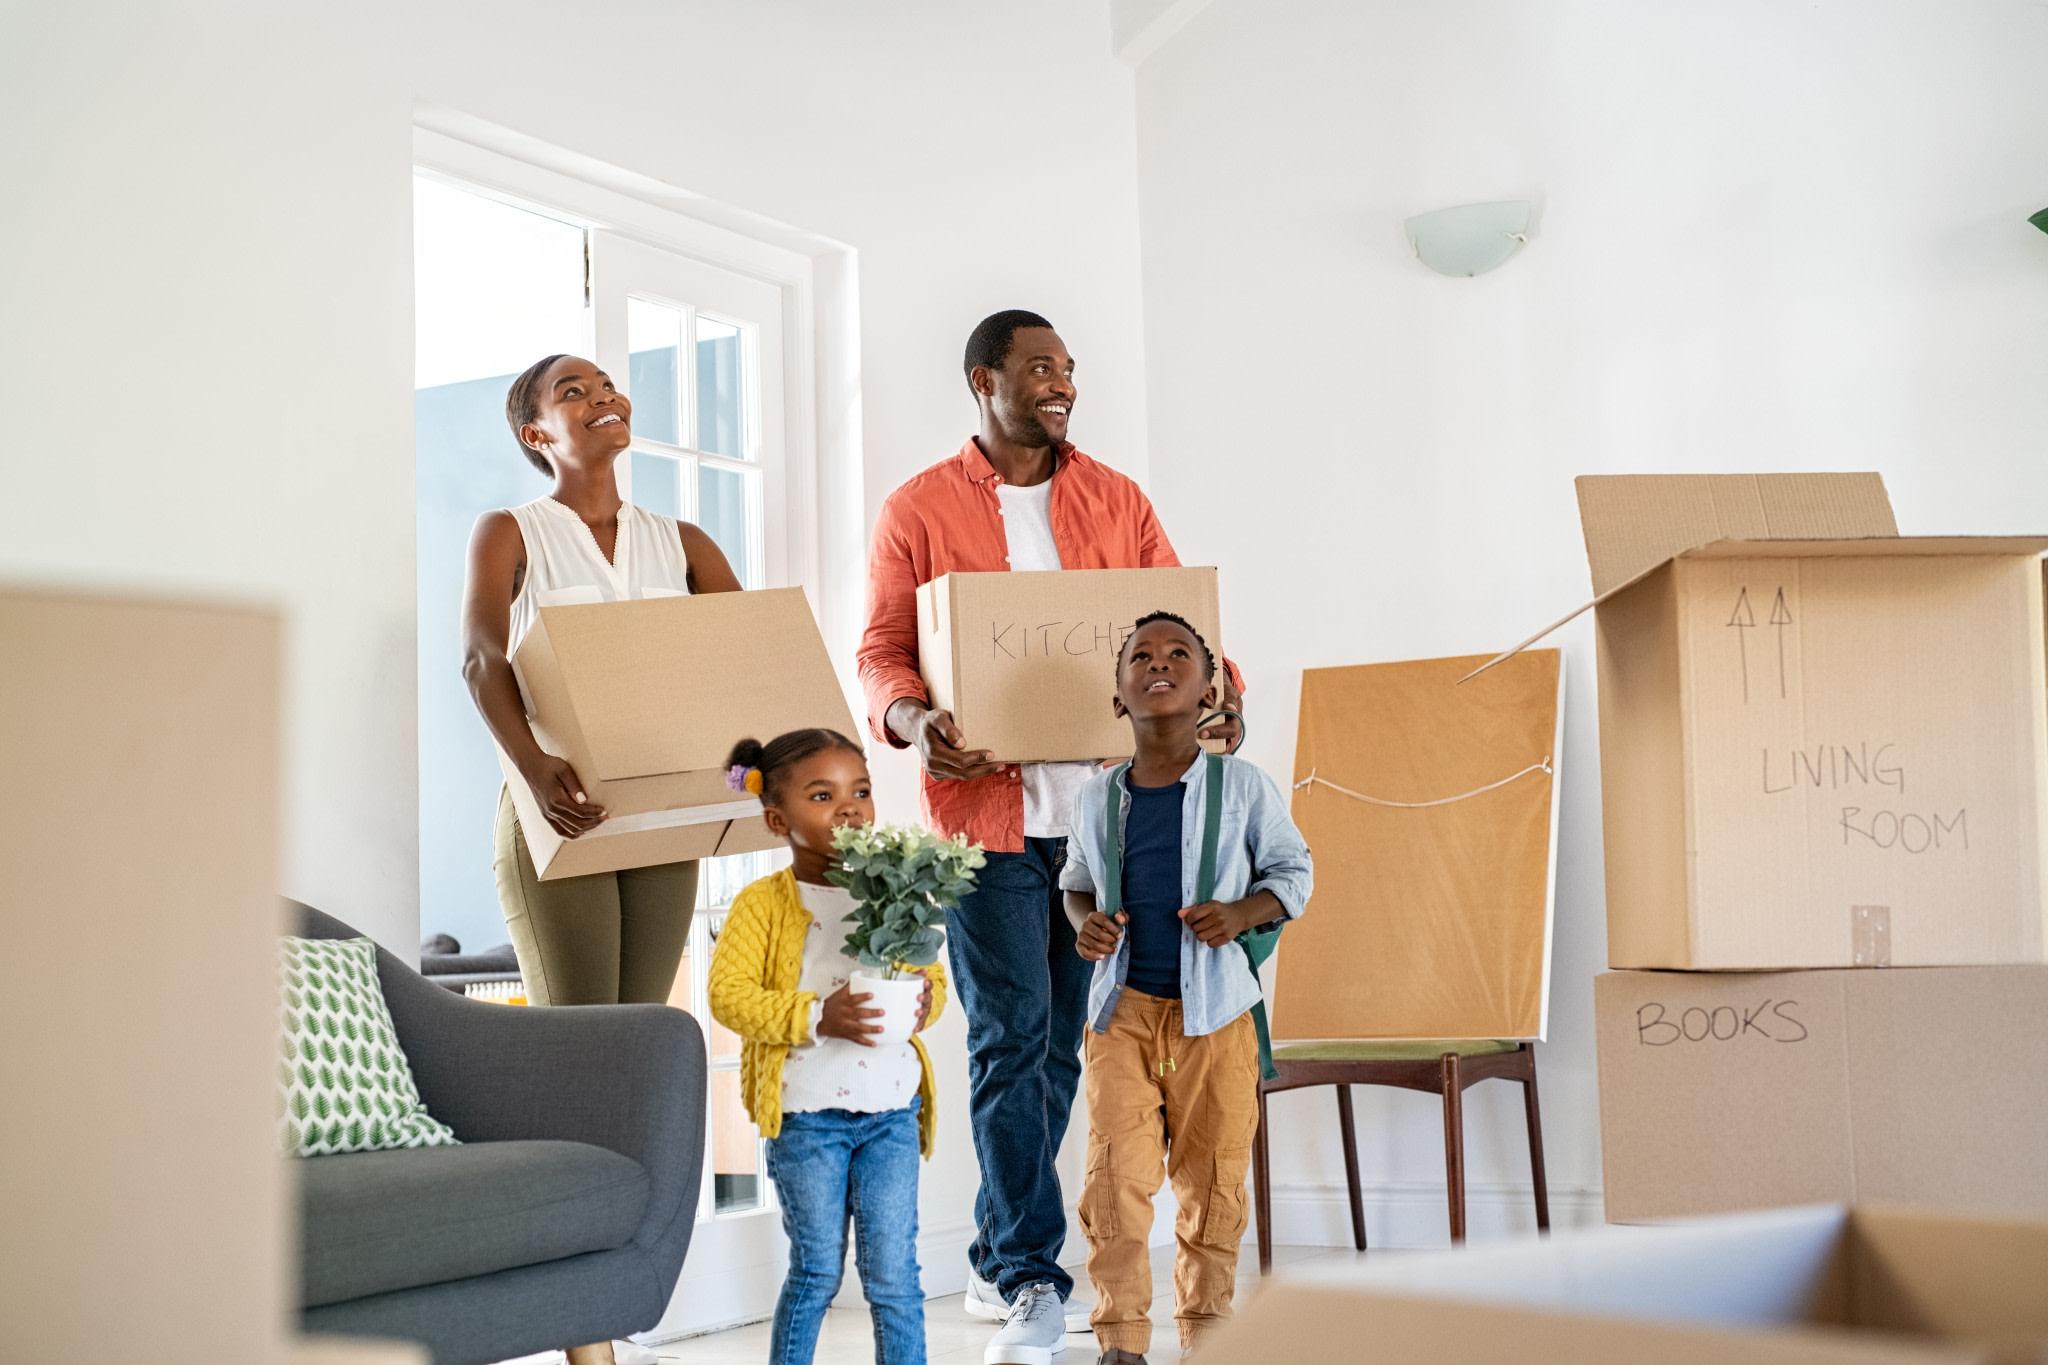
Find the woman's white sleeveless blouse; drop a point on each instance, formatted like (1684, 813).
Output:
(565, 568)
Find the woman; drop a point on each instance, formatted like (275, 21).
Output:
(613, 937)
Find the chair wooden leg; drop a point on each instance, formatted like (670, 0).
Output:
(1349, 1127)
(1262, 1188)
(1536, 1148)
(1454, 1144)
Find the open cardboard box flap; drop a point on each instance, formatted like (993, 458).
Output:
(1863, 1284)
(1636, 524)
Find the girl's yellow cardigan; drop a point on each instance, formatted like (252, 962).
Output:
(754, 975)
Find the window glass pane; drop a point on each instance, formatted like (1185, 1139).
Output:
(722, 1042)
(721, 389)
(735, 1148)
(495, 289)
(725, 509)
(658, 483)
(652, 342)
(682, 992)
(719, 880)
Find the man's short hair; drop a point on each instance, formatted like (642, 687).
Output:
(989, 343)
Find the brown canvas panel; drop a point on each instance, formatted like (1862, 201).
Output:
(1432, 922)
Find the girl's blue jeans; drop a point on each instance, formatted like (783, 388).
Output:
(831, 1167)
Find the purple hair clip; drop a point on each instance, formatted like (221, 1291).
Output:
(744, 780)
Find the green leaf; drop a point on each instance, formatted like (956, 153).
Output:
(2040, 220)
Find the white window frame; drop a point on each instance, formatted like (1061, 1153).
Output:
(571, 198)
(539, 189)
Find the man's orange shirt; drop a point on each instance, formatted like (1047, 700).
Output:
(949, 520)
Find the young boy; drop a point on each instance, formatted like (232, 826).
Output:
(1171, 1056)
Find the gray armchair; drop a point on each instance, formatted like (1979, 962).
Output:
(563, 1217)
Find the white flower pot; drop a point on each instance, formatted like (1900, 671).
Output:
(896, 999)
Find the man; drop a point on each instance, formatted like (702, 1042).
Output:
(1017, 496)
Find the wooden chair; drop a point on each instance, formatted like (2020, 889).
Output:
(1445, 1069)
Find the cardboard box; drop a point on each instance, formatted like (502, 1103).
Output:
(1812, 1286)
(1432, 812)
(1731, 1091)
(139, 841)
(1821, 744)
(1026, 662)
(646, 699)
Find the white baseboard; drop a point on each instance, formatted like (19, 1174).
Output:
(1416, 1215)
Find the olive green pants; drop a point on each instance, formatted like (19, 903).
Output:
(611, 938)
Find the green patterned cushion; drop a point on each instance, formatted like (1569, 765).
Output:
(344, 1080)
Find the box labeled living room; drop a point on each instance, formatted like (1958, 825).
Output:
(1822, 744)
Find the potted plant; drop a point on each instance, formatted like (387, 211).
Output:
(903, 881)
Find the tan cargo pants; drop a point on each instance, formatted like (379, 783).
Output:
(1156, 1096)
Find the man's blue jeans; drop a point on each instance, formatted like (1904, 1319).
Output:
(828, 1166)
(1025, 990)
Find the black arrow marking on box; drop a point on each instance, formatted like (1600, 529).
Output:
(1781, 617)
(1743, 620)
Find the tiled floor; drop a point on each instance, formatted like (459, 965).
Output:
(953, 1338)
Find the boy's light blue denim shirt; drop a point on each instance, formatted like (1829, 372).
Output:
(1258, 849)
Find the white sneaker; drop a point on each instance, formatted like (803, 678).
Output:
(1035, 1332)
(984, 1300)
(633, 1353)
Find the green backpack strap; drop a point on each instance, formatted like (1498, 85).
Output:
(1258, 944)
(1112, 899)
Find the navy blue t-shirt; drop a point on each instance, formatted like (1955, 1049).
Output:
(1152, 888)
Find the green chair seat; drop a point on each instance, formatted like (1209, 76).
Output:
(1370, 1051)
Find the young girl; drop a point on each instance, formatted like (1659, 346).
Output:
(845, 1119)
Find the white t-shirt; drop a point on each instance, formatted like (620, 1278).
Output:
(1049, 788)
(833, 1073)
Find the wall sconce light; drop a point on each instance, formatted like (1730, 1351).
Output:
(1470, 239)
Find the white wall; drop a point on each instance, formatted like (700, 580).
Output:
(206, 344)
(1771, 238)
(220, 197)
(205, 347)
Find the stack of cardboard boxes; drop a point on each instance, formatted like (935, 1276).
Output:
(1824, 765)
